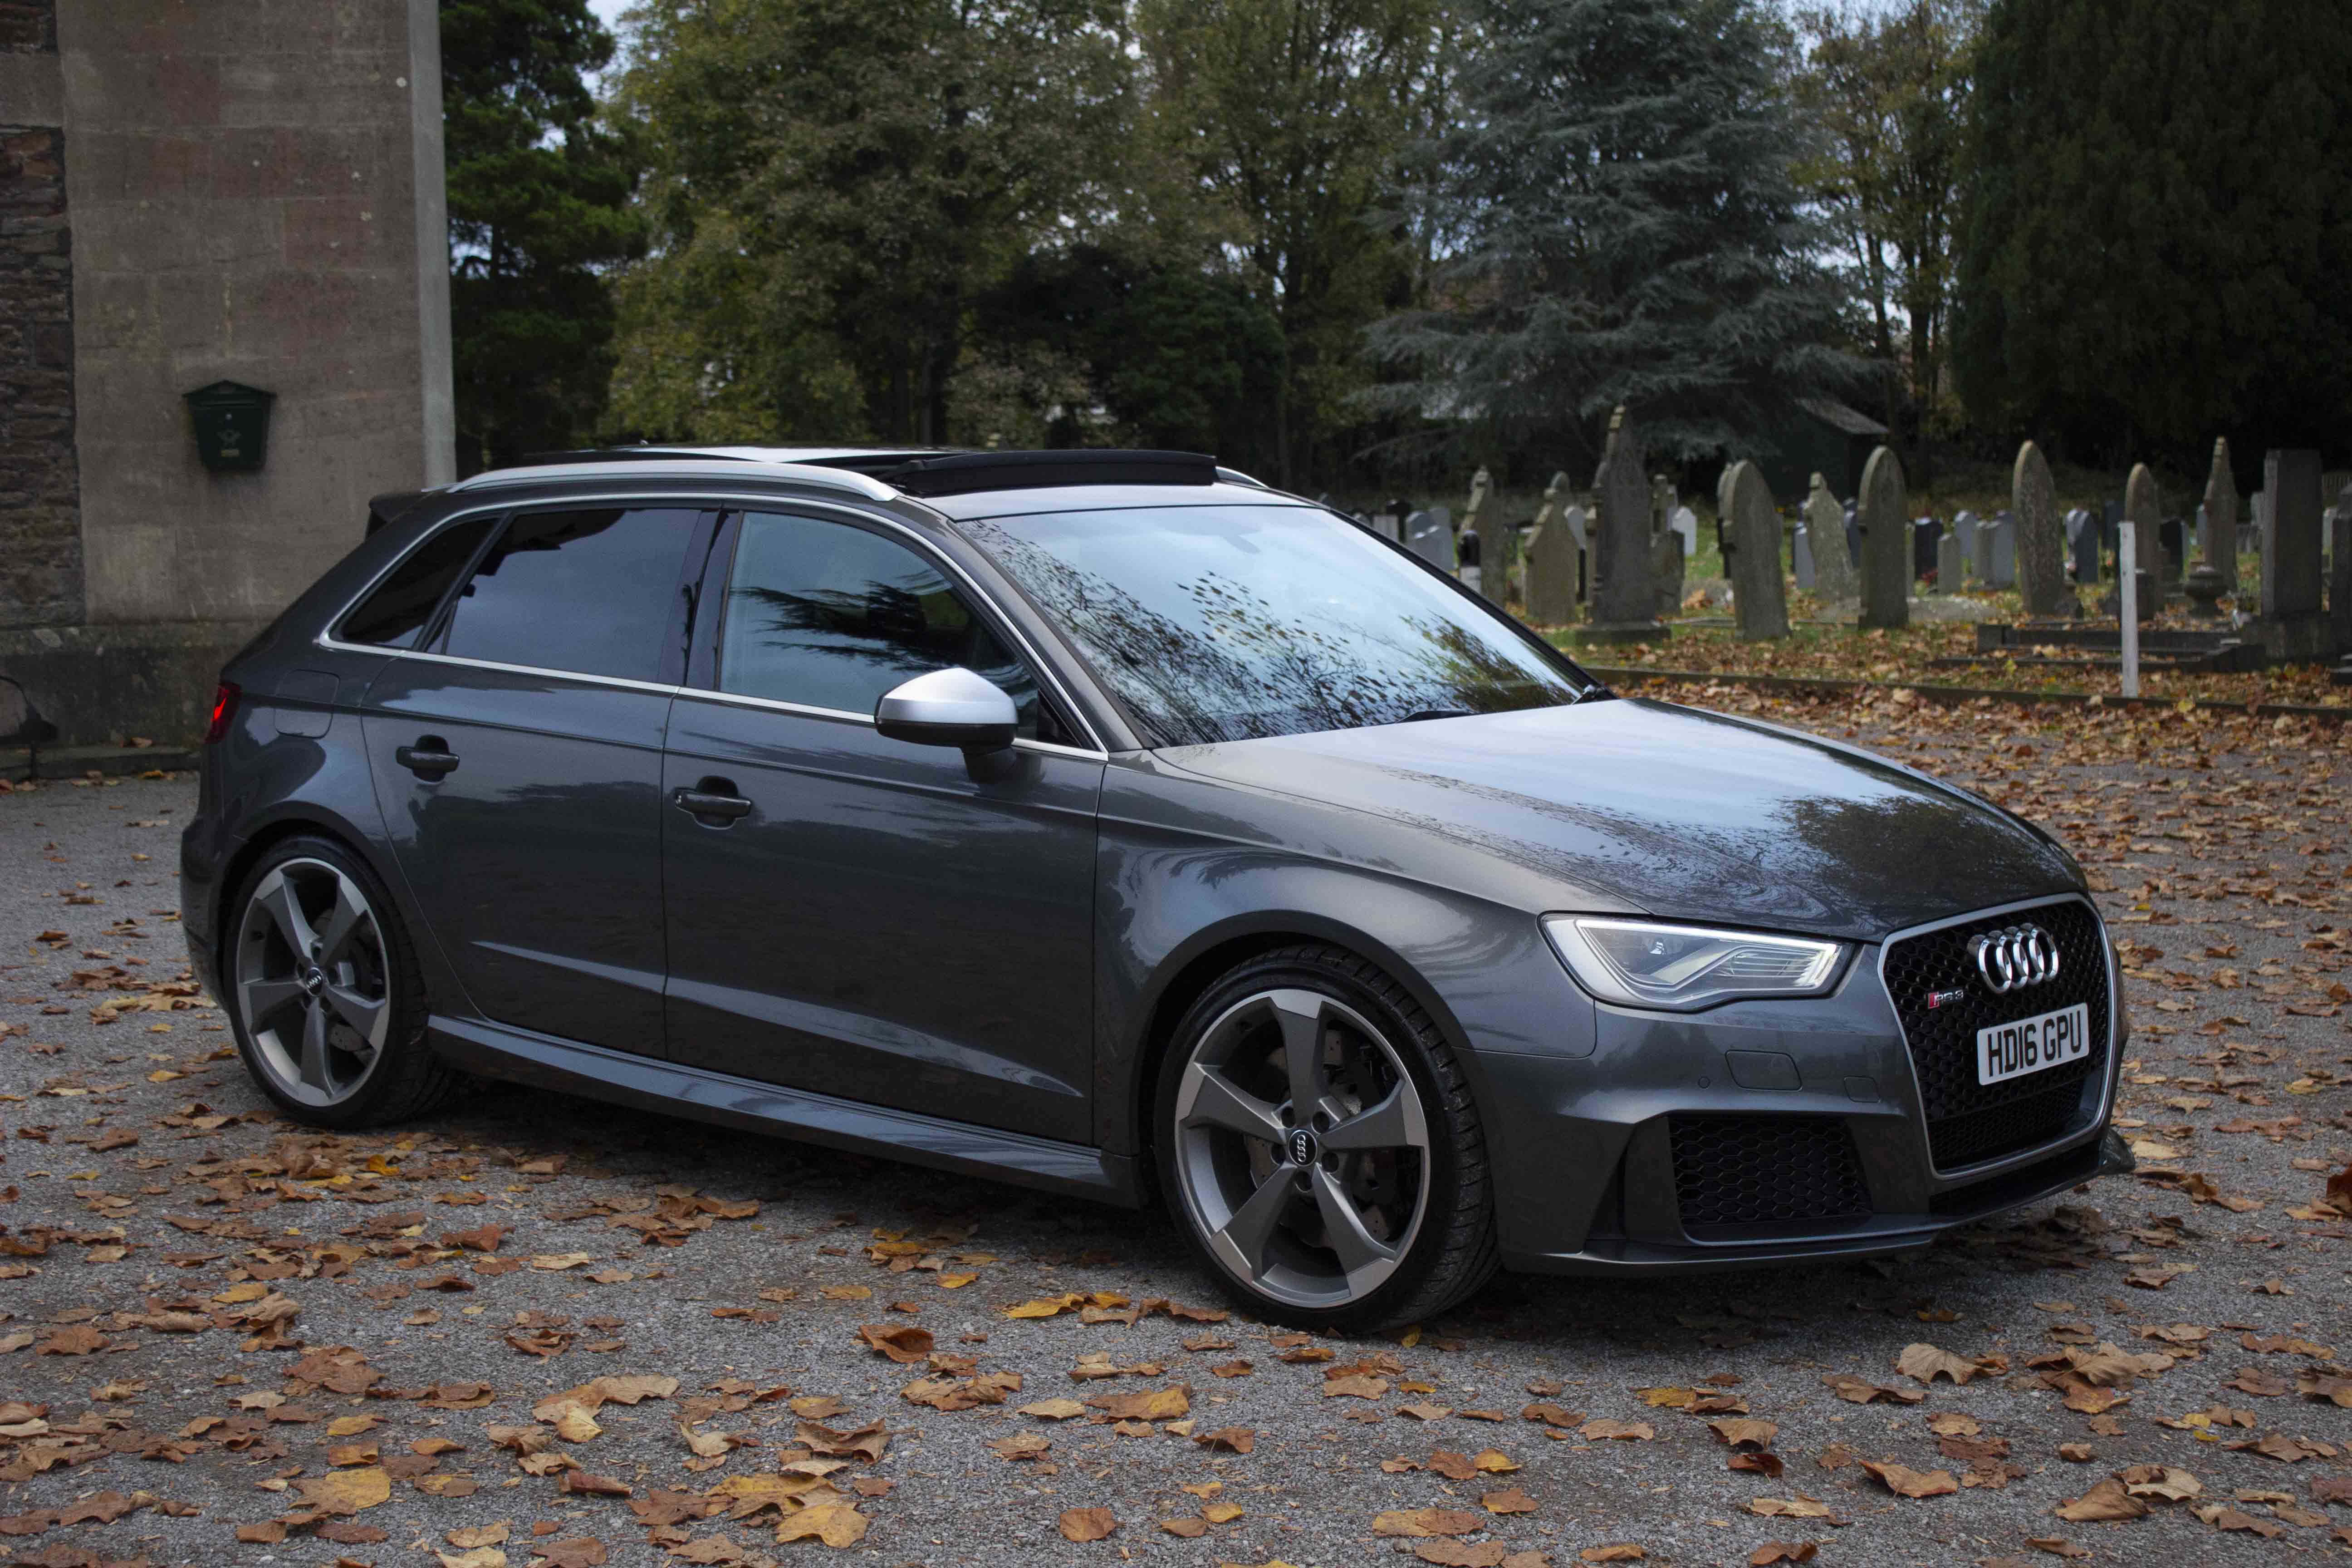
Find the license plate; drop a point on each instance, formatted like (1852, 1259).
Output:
(2030, 1045)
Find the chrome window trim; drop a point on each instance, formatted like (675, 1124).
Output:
(1910, 1065)
(828, 511)
(842, 715)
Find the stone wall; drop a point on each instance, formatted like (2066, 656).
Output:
(252, 201)
(40, 529)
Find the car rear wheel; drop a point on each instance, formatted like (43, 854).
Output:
(324, 993)
(1317, 1143)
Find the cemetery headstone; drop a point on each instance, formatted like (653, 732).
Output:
(2039, 540)
(2292, 625)
(1685, 521)
(1552, 551)
(1469, 552)
(1751, 544)
(1886, 555)
(1853, 537)
(1926, 533)
(2339, 574)
(1949, 571)
(1826, 542)
(2000, 537)
(1388, 525)
(2171, 547)
(1667, 564)
(2145, 507)
(1964, 535)
(2083, 543)
(1621, 603)
(1801, 562)
(1430, 535)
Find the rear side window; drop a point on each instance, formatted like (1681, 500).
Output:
(833, 616)
(402, 602)
(593, 592)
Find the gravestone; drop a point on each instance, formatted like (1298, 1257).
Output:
(2145, 507)
(2222, 518)
(1927, 532)
(2082, 547)
(2339, 574)
(1825, 542)
(1388, 525)
(1854, 537)
(2172, 548)
(1999, 537)
(1801, 562)
(1886, 555)
(1552, 551)
(1430, 535)
(1751, 548)
(2039, 540)
(1623, 600)
(2292, 625)
(1948, 570)
(1685, 522)
(1667, 563)
(1964, 535)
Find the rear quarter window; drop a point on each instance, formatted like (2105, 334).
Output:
(591, 591)
(394, 615)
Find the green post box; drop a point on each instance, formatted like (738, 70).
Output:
(232, 425)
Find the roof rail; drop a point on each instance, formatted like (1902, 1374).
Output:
(966, 472)
(671, 466)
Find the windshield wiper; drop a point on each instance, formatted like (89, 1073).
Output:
(1435, 713)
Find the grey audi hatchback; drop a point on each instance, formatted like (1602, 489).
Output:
(1111, 823)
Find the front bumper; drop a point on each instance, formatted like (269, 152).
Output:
(1756, 1134)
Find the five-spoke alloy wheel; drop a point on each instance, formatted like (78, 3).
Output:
(1316, 1143)
(323, 990)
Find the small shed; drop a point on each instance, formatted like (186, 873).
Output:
(1823, 436)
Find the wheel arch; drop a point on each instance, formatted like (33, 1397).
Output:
(1195, 965)
(294, 820)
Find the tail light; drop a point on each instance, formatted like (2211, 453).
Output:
(224, 709)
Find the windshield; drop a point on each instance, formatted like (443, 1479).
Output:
(1231, 623)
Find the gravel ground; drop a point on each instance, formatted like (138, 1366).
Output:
(178, 1273)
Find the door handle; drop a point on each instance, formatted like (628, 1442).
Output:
(713, 803)
(429, 759)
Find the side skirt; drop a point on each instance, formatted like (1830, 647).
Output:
(496, 1050)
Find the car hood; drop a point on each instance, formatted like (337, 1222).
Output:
(1686, 814)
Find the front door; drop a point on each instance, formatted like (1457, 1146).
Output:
(517, 759)
(861, 917)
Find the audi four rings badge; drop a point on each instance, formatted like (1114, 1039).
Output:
(2012, 959)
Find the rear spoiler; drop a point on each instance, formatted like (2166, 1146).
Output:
(385, 509)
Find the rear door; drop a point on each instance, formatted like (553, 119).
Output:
(871, 921)
(518, 753)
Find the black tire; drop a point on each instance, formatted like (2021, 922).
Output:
(408, 1080)
(1452, 1251)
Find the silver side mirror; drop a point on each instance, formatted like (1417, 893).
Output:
(950, 707)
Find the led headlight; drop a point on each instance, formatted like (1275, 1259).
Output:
(1640, 963)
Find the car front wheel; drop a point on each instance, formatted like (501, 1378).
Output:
(1317, 1143)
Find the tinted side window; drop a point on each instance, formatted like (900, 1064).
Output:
(589, 591)
(833, 616)
(397, 610)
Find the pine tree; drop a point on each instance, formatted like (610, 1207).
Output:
(539, 199)
(2160, 232)
(1618, 223)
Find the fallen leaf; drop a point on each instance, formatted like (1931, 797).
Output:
(1085, 1523)
(1905, 1481)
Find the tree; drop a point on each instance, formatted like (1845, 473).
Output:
(2160, 240)
(1889, 93)
(1173, 357)
(1285, 119)
(835, 182)
(1618, 223)
(539, 197)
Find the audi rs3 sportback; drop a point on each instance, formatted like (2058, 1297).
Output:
(1111, 823)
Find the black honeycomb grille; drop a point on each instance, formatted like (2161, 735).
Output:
(1766, 1170)
(1969, 1121)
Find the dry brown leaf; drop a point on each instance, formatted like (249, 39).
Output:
(1905, 1481)
(902, 1343)
(2106, 1500)
(346, 1492)
(1087, 1523)
(1426, 1522)
(834, 1524)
